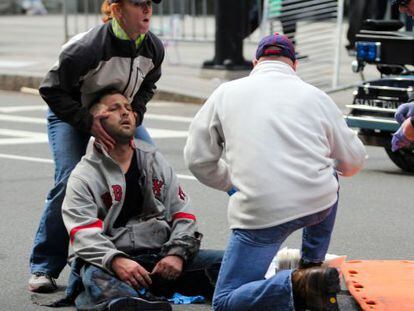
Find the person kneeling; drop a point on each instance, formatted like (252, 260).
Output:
(131, 224)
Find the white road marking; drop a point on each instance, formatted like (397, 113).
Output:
(9, 109)
(28, 159)
(12, 118)
(49, 161)
(159, 133)
(15, 64)
(19, 133)
(167, 118)
(23, 137)
(22, 141)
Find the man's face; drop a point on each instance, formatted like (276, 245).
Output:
(408, 8)
(121, 121)
(136, 17)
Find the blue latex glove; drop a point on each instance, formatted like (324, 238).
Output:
(179, 299)
(399, 140)
(232, 191)
(404, 111)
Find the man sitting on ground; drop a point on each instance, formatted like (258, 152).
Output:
(131, 223)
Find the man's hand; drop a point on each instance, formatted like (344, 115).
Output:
(131, 272)
(404, 112)
(403, 137)
(97, 130)
(170, 267)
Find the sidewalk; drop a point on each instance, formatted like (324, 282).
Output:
(29, 45)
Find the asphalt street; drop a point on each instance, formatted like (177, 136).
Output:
(374, 219)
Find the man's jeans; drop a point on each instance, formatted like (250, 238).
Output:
(198, 278)
(68, 145)
(241, 284)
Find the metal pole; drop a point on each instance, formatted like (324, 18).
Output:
(339, 21)
(193, 15)
(86, 9)
(263, 24)
(65, 20)
(204, 16)
(161, 17)
(76, 17)
(183, 30)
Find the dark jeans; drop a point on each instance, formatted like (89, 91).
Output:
(199, 277)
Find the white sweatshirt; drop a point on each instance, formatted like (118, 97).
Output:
(283, 140)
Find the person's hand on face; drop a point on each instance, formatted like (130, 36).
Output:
(97, 130)
(131, 272)
(170, 267)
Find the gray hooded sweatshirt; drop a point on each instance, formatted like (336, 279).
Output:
(95, 195)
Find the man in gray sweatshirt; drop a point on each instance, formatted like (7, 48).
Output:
(284, 141)
(130, 223)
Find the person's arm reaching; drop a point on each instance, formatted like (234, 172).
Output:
(60, 89)
(148, 87)
(346, 148)
(204, 147)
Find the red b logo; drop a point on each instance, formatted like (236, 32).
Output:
(117, 189)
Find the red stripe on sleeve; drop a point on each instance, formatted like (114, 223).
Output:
(184, 215)
(96, 224)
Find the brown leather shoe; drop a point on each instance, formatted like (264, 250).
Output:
(315, 289)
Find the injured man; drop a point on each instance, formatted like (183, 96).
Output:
(131, 225)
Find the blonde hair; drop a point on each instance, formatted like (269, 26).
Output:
(106, 11)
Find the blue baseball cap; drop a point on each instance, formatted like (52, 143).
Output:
(135, 1)
(276, 44)
(400, 2)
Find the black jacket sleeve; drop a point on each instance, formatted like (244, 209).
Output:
(147, 89)
(61, 88)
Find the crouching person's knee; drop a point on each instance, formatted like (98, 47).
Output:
(219, 302)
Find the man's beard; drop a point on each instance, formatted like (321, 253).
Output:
(120, 137)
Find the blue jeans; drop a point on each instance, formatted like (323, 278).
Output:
(199, 277)
(68, 145)
(241, 284)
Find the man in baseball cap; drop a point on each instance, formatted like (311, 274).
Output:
(265, 125)
(277, 45)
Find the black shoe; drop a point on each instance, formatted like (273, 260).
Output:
(315, 289)
(305, 265)
(133, 304)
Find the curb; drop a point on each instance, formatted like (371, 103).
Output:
(10, 82)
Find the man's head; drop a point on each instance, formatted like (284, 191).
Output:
(405, 6)
(120, 122)
(133, 15)
(276, 47)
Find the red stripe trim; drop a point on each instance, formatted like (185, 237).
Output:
(96, 224)
(184, 215)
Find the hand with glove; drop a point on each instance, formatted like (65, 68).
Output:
(404, 111)
(232, 191)
(404, 136)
